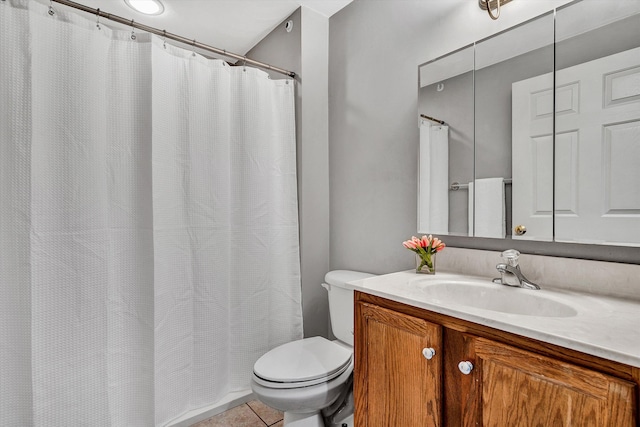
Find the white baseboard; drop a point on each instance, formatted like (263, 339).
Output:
(231, 400)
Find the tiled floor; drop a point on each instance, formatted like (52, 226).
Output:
(251, 414)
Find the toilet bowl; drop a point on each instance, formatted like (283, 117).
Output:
(304, 377)
(319, 382)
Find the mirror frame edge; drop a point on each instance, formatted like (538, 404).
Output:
(619, 254)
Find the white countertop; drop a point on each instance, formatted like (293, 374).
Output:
(602, 326)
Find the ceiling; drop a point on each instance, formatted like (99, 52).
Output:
(234, 25)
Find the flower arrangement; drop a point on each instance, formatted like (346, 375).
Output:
(425, 249)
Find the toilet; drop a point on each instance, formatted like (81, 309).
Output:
(310, 380)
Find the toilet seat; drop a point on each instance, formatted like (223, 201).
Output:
(302, 363)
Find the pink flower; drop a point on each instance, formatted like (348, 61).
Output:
(409, 244)
(428, 244)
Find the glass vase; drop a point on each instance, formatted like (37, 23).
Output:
(426, 264)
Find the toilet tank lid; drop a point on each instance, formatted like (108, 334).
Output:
(340, 277)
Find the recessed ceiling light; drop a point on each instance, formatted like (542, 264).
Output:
(148, 7)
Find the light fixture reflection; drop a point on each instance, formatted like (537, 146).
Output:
(148, 7)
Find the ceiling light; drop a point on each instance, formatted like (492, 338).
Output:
(148, 7)
(489, 5)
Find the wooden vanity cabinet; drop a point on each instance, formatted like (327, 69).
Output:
(399, 370)
(515, 381)
(519, 388)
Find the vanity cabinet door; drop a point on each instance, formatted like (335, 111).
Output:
(397, 376)
(518, 388)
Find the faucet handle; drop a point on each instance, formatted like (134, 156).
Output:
(510, 257)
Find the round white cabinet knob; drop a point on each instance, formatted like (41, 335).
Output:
(428, 353)
(465, 367)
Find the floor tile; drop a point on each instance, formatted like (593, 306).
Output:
(240, 416)
(269, 415)
(279, 424)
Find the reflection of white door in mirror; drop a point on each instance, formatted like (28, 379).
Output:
(532, 157)
(597, 154)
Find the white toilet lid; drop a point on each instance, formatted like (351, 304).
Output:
(302, 361)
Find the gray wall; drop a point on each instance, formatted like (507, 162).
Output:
(373, 135)
(305, 51)
(314, 171)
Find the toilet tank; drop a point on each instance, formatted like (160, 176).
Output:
(341, 302)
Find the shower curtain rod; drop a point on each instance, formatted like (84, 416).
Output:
(168, 35)
(433, 119)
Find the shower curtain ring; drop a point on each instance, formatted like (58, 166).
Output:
(193, 48)
(133, 34)
(164, 38)
(98, 19)
(244, 63)
(51, 11)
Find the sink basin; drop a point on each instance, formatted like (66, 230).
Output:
(494, 297)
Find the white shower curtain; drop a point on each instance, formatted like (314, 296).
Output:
(148, 223)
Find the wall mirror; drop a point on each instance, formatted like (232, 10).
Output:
(597, 144)
(446, 150)
(543, 130)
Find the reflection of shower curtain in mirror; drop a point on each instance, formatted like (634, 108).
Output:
(148, 224)
(433, 192)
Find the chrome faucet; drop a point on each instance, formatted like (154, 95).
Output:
(510, 273)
